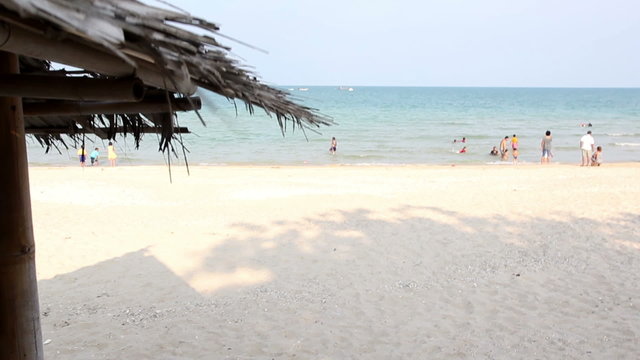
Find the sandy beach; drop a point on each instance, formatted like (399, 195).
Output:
(339, 262)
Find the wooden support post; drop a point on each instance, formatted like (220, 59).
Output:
(20, 334)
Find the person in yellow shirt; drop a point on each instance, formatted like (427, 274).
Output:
(82, 154)
(514, 142)
(111, 154)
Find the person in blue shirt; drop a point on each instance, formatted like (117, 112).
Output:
(94, 157)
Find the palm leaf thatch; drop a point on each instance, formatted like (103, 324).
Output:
(138, 65)
(115, 39)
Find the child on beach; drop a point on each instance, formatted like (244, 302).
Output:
(596, 158)
(82, 154)
(94, 157)
(514, 142)
(111, 154)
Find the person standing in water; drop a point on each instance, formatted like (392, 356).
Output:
(545, 145)
(334, 145)
(514, 142)
(587, 147)
(111, 154)
(504, 150)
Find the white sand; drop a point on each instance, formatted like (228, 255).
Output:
(477, 262)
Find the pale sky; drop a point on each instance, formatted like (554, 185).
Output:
(544, 43)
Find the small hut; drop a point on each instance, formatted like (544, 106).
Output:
(134, 67)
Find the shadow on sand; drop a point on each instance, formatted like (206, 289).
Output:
(419, 283)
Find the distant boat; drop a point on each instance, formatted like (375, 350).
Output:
(345, 88)
(303, 89)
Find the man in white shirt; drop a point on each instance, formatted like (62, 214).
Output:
(587, 145)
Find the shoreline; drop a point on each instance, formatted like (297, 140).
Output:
(373, 165)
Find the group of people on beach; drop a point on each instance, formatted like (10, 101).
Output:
(504, 148)
(94, 156)
(591, 154)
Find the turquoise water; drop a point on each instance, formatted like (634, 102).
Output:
(400, 125)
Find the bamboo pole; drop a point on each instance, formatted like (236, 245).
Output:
(66, 108)
(20, 334)
(24, 42)
(102, 132)
(71, 88)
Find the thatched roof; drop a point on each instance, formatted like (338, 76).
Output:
(120, 39)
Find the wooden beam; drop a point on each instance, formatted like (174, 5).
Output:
(86, 123)
(71, 88)
(65, 108)
(20, 334)
(22, 41)
(102, 131)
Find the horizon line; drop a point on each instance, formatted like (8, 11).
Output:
(469, 86)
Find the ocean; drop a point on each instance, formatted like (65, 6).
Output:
(395, 126)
